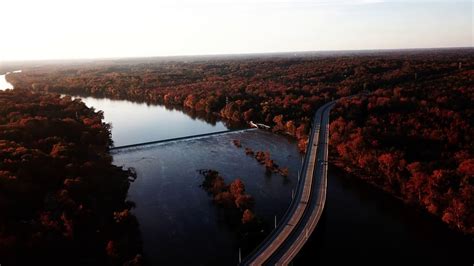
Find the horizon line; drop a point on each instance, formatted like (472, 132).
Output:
(228, 54)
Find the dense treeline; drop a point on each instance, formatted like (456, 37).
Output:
(415, 141)
(282, 91)
(62, 201)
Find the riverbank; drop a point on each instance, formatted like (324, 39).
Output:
(140, 122)
(361, 177)
(362, 223)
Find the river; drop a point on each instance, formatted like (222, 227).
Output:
(4, 84)
(140, 122)
(179, 222)
(181, 226)
(360, 222)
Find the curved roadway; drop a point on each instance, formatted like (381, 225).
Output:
(300, 220)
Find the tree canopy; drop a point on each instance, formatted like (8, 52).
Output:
(61, 198)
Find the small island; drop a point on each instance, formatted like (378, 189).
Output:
(237, 208)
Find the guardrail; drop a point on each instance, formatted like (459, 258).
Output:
(314, 134)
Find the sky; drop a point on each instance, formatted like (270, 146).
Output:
(58, 29)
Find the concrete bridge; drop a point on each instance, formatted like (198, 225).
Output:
(305, 210)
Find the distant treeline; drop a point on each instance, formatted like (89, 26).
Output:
(283, 92)
(61, 198)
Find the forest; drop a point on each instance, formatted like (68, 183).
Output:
(408, 133)
(62, 200)
(415, 141)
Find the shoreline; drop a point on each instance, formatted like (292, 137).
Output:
(340, 169)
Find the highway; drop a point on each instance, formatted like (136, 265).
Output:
(305, 210)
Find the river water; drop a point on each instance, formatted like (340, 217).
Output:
(179, 222)
(140, 122)
(181, 226)
(4, 84)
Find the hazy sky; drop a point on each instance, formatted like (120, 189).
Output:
(52, 29)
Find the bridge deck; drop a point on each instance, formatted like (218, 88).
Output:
(316, 206)
(280, 246)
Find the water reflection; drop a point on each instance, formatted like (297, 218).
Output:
(134, 122)
(4, 84)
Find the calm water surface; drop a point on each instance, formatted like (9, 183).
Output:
(179, 222)
(140, 122)
(4, 84)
